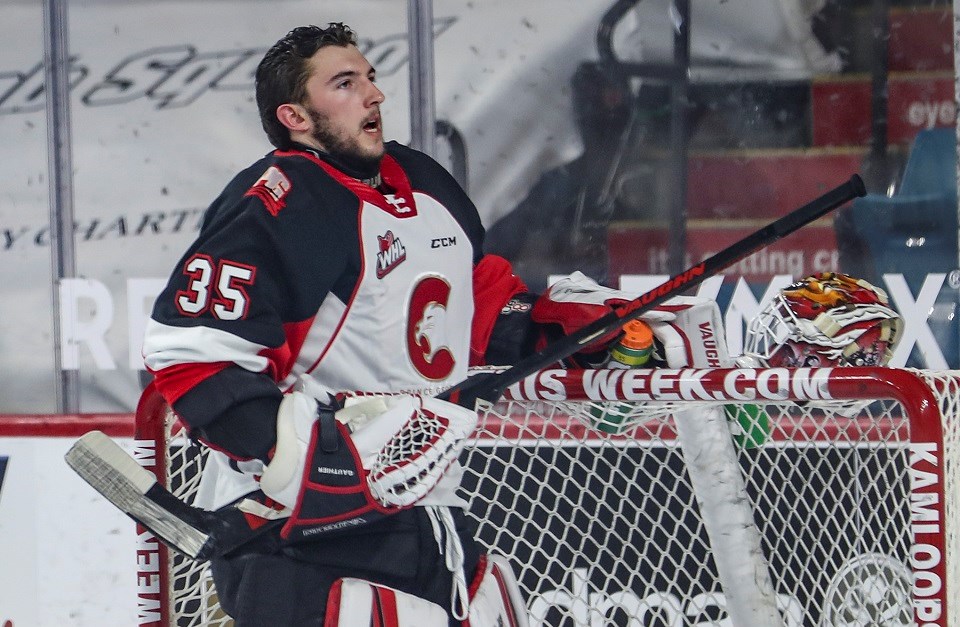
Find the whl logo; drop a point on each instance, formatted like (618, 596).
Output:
(391, 253)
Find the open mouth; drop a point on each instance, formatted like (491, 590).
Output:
(372, 125)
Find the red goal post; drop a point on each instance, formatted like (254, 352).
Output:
(596, 485)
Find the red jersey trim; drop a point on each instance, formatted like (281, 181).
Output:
(399, 204)
(175, 381)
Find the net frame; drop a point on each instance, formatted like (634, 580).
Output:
(558, 410)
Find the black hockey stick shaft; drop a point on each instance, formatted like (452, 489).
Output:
(490, 386)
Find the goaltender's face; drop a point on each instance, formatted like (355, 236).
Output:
(341, 113)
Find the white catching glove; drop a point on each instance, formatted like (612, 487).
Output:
(575, 301)
(406, 443)
(689, 329)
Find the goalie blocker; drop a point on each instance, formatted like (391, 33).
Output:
(373, 458)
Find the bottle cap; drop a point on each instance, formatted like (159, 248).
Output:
(637, 335)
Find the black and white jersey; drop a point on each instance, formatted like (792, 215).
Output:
(304, 277)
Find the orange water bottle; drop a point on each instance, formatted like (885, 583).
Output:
(633, 350)
(635, 347)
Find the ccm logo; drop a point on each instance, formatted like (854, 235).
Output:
(443, 242)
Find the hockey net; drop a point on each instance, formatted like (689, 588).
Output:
(675, 498)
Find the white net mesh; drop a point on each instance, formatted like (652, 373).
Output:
(193, 600)
(603, 527)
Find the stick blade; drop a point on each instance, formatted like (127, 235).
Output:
(130, 487)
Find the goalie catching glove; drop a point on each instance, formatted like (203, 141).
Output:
(688, 330)
(375, 457)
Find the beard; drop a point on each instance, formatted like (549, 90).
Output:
(343, 149)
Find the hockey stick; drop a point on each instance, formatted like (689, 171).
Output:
(202, 534)
(196, 532)
(490, 386)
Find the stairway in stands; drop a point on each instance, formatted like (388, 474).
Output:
(760, 150)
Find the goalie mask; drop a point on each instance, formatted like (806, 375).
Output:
(827, 319)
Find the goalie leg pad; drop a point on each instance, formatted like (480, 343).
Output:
(495, 597)
(694, 337)
(358, 603)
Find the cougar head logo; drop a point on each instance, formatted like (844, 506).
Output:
(431, 331)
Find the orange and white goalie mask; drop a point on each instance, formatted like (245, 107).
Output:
(827, 319)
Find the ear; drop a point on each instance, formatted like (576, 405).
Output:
(294, 117)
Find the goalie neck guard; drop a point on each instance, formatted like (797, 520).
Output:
(826, 319)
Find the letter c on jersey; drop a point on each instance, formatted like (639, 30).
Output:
(427, 329)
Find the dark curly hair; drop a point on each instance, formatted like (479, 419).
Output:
(283, 72)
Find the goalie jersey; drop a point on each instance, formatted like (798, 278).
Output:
(303, 277)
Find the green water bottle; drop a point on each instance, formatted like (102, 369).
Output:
(749, 424)
(633, 350)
